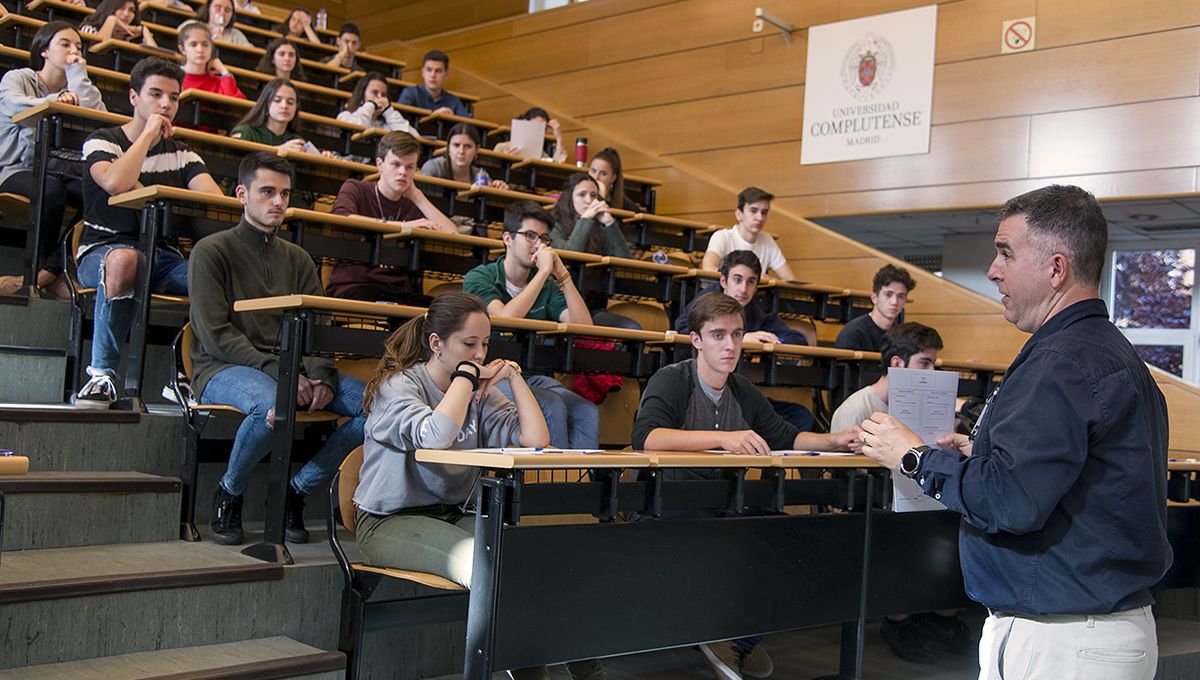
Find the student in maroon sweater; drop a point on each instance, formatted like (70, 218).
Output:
(201, 68)
(393, 198)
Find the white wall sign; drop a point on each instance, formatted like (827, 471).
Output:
(868, 91)
(1018, 35)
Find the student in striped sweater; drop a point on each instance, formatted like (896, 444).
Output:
(137, 154)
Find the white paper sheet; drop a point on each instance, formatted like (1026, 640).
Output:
(528, 137)
(924, 401)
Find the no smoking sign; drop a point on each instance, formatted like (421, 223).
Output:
(1018, 35)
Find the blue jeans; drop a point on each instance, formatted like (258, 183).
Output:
(795, 414)
(574, 422)
(253, 392)
(114, 317)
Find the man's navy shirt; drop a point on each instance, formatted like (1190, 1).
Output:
(1064, 496)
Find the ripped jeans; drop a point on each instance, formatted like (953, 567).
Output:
(114, 317)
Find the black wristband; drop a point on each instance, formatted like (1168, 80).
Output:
(474, 367)
(468, 375)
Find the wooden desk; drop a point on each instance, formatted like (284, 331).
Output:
(331, 133)
(824, 569)
(440, 124)
(534, 461)
(549, 173)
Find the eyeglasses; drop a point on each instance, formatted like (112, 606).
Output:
(532, 236)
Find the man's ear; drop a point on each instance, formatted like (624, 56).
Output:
(1060, 270)
(724, 283)
(896, 362)
(696, 342)
(241, 193)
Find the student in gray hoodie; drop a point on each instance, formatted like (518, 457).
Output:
(433, 390)
(57, 73)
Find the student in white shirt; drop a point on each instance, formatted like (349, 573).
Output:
(754, 205)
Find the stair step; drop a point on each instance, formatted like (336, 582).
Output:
(42, 374)
(1178, 649)
(274, 657)
(59, 573)
(61, 509)
(57, 438)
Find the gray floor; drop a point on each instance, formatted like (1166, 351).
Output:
(797, 655)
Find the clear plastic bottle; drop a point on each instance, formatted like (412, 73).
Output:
(482, 179)
(322, 19)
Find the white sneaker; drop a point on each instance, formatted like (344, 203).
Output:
(184, 387)
(725, 659)
(99, 393)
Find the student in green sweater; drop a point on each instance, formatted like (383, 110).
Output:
(275, 120)
(233, 353)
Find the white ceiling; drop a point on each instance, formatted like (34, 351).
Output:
(1140, 220)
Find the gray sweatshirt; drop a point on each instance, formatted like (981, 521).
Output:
(402, 420)
(21, 89)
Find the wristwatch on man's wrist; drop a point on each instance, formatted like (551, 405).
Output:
(911, 460)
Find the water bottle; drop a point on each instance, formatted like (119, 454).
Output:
(322, 19)
(482, 179)
(580, 152)
(218, 25)
(660, 257)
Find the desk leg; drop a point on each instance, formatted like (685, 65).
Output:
(154, 216)
(291, 348)
(850, 665)
(41, 164)
(495, 494)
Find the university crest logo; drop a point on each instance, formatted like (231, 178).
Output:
(868, 66)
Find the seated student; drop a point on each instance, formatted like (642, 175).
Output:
(740, 272)
(298, 26)
(349, 42)
(583, 223)
(137, 154)
(57, 72)
(458, 163)
(555, 152)
(889, 293)
(118, 20)
(702, 404)
(202, 69)
(753, 206)
(370, 106)
(435, 389)
(435, 69)
(518, 284)
(906, 345)
(282, 60)
(274, 120)
(394, 197)
(605, 168)
(233, 354)
(220, 17)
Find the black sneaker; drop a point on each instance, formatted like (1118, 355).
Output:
(293, 521)
(227, 518)
(99, 393)
(950, 631)
(907, 640)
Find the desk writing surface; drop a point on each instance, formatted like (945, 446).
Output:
(493, 192)
(451, 118)
(606, 332)
(709, 459)
(780, 284)
(352, 222)
(246, 104)
(379, 132)
(1184, 461)
(326, 304)
(671, 221)
(810, 351)
(248, 74)
(971, 365)
(59, 5)
(638, 265)
(227, 46)
(534, 461)
(570, 167)
(325, 162)
(126, 46)
(415, 110)
(138, 198)
(466, 240)
(513, 323)
(33, 114)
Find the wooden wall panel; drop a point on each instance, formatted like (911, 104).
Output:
(1137, 69)
(386, 20)
(963, 339)
(1160, 134)
(1183, 412)
(998, 152)
(1067, 22)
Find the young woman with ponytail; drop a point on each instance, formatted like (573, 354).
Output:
(433, 390)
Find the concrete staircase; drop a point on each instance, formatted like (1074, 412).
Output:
(93, 579)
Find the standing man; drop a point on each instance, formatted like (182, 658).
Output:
(233, 353)
(889, 293)
(530, 281)
(431, 94)
(1063, 488)
(754, 205)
